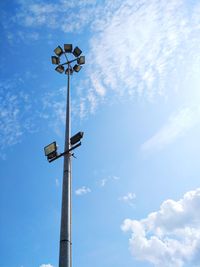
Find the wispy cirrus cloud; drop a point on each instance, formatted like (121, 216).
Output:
(138, 61)
(141, 60)
(144, 59)
(82, 191)
(46, 265)
(137, 47)
(56, 101)
(177, 125)
(170, 236)
(57, 182)
(72, 16)
(16, 117)
(103, 182)
(129, 198)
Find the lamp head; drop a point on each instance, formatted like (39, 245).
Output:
(55, 60)
(68, 48)
(60, 69)
(70, 70)
(77, 51)
(81, 60)
(50, 151)
(77, 68)
(76, 138)
(58, 51)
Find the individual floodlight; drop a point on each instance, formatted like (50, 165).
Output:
(59, 69)
(51, 151)
(76, 138)
(70, 70)
(58, 51)
(77, 68)
(68, 48)
(81, 60)
(55, 60)
(50, 148)
(77, 51)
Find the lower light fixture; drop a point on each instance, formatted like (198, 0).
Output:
(76, 138)
(55, 60)
(60, 69)
(77, 68)
(81, 60)
(50, 151)
(70, 70)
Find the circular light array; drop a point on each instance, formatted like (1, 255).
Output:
(76, 52)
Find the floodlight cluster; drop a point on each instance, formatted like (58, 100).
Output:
(68, 48)
(50, 150)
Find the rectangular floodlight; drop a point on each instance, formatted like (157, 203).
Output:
(68, 48)
(60, 69)
(77, 51)
(55, 60)
(58, 51)
(77, 68)
(70, 70)
(76, 138)
(81, 60)
(50, 149)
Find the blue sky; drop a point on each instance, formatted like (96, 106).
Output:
(136, 191)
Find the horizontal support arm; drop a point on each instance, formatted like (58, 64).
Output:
(70, 61)
(66, 152)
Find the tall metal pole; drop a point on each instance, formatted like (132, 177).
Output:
(65, 257)
(65, 250)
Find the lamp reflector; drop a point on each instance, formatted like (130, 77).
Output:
(59, 69)
(55, 60)
(58, 51)
(50, 149)
(70, 71)
(68, 48)
(76, 138)
(77, 51)
(81, 60)
(77, 68)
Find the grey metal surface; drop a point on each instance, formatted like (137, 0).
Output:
(65, 254)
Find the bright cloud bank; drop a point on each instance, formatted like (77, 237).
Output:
(170, 236)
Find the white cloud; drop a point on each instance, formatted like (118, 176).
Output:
(132, 63)
(136, 45)
(57, 182)
(31, 14)
(170, 236)
(177, 125)
(56, 101)
(82, 191)
(16, 117)
(21, 35)
(46, 265)
(129, 198)
(114, 177)
(104, 181)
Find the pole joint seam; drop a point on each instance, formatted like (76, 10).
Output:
(66, 240)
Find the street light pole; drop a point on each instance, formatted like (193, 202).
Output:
(65, 257)
(65, 251)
